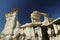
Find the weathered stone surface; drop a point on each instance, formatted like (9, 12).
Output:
(55, 28)
(35, 16)
(10, 23)
(29, 32)
(39, 33)
(36, 30)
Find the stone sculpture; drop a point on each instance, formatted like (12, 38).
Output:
(36, 30)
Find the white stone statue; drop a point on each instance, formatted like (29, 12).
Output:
(35, 30)
(11, 19)
(35, 16)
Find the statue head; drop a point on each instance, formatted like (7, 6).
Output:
(35, 16)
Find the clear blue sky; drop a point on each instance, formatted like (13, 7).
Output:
(51, 7)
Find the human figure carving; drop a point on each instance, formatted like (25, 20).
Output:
(35, 16)
(36, 30)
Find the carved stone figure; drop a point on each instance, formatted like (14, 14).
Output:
(36, 30)
(35, 16)
(11, 19)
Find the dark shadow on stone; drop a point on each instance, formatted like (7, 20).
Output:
(17, 37)
(36, 35)
(45, 35)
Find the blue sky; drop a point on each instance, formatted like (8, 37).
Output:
(26, 7)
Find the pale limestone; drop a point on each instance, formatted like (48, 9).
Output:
(35, 16)
(10, 23)
(39, 33)
(30, 31)
(55, 28)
